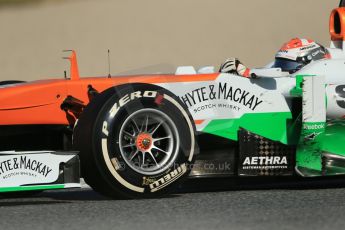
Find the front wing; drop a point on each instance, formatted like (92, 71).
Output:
(38, 170)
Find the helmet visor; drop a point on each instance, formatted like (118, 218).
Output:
(287, 65)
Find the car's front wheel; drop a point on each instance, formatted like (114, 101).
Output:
(136, 141)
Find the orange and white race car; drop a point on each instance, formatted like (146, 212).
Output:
(139, 136)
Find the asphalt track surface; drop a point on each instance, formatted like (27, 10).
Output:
(289, 205)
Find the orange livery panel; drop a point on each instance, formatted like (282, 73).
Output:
(39, 102)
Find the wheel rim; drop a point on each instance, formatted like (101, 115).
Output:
(149, 141)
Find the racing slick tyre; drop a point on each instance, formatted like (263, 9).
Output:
(135, 141)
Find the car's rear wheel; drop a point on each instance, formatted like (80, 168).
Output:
(136, 141)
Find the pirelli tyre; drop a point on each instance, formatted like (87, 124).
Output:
(135, 141)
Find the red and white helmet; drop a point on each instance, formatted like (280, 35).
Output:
(297, 53)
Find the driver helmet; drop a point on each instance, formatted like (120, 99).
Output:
(297, 53)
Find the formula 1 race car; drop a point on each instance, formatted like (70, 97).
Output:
(139, 136)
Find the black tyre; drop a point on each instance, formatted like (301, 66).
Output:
(135, 141)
